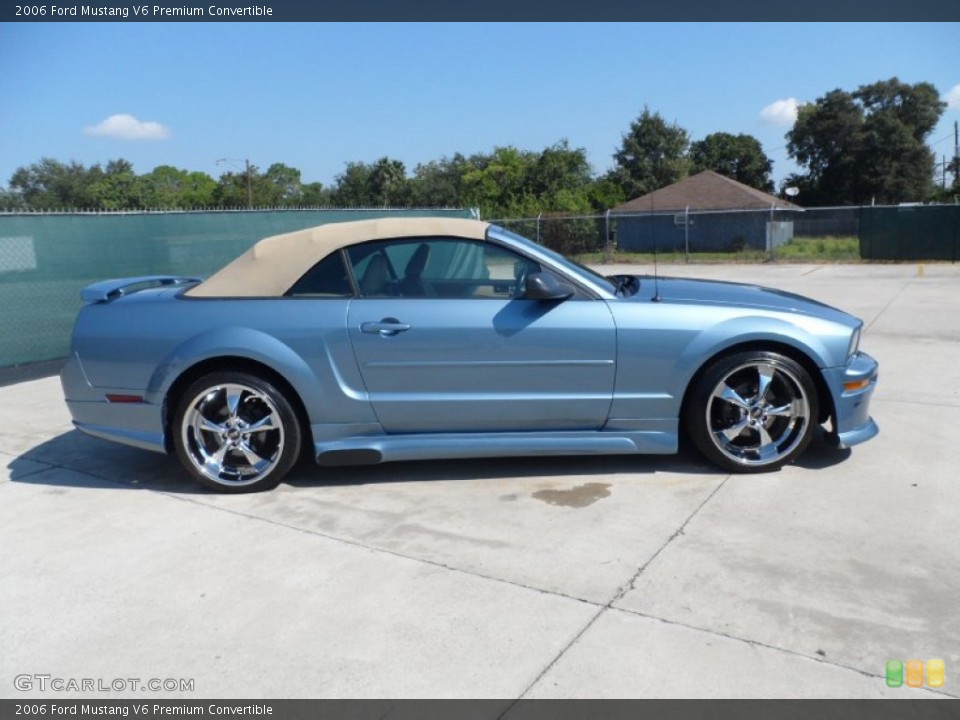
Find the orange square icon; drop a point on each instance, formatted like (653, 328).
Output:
(935, 673)
(915, 673)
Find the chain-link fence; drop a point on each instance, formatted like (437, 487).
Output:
(45, 260)
(928, 232)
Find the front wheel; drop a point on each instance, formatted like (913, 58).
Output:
(753, 411)
(235, 432)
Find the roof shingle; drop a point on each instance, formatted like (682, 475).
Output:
(704, 191)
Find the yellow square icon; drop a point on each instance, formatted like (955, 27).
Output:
(935, 673)
(915, 673)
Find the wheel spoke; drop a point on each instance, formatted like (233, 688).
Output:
(768, 448)
(215, 461)
(735, 430)
(261, 425)
(208, 425)
(233, 395)
(730, 395)
(793, 409)
(765, 375)
(251, 455)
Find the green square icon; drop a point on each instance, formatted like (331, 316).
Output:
(894, 673)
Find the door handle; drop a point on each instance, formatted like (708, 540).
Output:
(386, 327)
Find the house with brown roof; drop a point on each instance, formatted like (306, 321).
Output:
(705, 212)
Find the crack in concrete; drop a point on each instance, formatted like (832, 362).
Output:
(620, 592)
(890, 302)
(767, 646)
(623, 590)
(10, 478)
(921, 403)
(375, 548)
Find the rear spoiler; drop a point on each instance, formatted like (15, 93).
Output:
(108, 290)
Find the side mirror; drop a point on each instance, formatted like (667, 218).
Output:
(544, 286)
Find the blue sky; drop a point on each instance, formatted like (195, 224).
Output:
(316, 95)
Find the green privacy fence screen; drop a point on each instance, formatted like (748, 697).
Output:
(45, 260)
(910, 232)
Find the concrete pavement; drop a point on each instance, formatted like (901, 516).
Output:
(529, 578)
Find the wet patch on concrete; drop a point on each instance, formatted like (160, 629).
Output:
(576, 497)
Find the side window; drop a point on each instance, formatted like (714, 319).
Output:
(439, 268)
(328, 278)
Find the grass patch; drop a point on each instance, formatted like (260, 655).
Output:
(825, 249)
(799, 249)
(637, 258)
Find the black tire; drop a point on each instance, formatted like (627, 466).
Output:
(235, 432)
(752, 411)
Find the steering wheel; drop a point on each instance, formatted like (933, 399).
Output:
(520, 272)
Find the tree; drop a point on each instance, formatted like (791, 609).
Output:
(52, 185)
(895, 161)
(866, 146)
(559, 168)
(281, 186)
(652, 155)
(231, 190)
(353, 186)
(388, 182)
(495, 183)
(438, 182)
(165, 184)
(604, 193)
(10, 200)
(739, 157)
(315, 195)
(197, 190)
(119, 188)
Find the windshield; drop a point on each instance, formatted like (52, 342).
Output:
(574, 267)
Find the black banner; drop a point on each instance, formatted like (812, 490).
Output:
(488, 10)
(480, 709)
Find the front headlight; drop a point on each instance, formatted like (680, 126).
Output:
(854, 342)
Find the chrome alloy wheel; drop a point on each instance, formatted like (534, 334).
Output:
(758, 413)
(233, 434)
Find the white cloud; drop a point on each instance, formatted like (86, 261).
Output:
(127, 127)
(952, 98)
(781, 112)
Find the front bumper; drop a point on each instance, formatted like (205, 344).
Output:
(852, 421)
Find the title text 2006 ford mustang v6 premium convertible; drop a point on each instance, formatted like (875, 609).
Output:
(400, 339)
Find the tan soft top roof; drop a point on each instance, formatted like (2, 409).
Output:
(274, 264)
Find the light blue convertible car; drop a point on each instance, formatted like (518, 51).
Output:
(401, 339)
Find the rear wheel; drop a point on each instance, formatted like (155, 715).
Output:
(235, 432)
(753, 411)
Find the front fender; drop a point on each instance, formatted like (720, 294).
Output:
(738, 331)
(661, 348)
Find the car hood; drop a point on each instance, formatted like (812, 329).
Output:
(715, 292)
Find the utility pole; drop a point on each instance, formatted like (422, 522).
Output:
(249, 188)
(248, 171)
(956, 153)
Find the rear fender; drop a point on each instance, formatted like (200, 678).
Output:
(326, 396)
